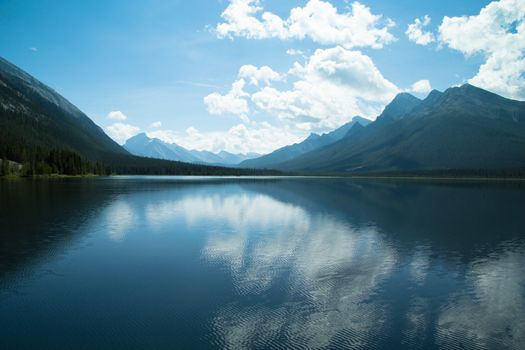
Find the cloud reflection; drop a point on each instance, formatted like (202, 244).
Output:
(490, 312)
(333, 266)
(120, 218)
(307, 276)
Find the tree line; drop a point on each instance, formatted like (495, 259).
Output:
(52, 162)
(62, 162)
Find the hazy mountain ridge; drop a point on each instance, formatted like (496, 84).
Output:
(142, 145)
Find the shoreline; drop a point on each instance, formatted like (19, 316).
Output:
(284, 176)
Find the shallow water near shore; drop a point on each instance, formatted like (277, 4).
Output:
(197, 263)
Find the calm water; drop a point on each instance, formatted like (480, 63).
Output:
(145, 263)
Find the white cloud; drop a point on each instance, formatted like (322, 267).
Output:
(155, 125)
(34, 49)
(168, 136)
(256, 137)
(117, 115)
(333, 86)
(255, 75)
(318, 20)
(498, 34)
(121, 132)
(416, 33)
(294, 52)
(328, 90)
(233, 102)
(421, 87)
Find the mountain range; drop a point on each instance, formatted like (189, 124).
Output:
(464, 128)
(313, 142)
(142, 145)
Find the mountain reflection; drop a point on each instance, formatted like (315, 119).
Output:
(339, 263)
(336, 271)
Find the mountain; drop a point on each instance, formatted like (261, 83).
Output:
(142, 145)
(341, 132)
(206, 157)
(223, 157)
(234, 159)
(34, 116)
(462, 128)
(48, 134)
(402, 104)
(313, 142)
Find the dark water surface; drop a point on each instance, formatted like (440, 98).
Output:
(188, 263)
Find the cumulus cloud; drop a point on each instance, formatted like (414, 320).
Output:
(121, 132)
(417, 34)
(117, 115)
(233, 102)
(318, 20)
(421, 87)
(327, 91)
(255, 75)
(498, 34)
(155, 125)
(333, 86)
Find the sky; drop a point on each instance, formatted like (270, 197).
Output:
(255, 75)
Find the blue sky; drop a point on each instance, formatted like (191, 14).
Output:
(158, 61)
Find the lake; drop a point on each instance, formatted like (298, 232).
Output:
(225, 263)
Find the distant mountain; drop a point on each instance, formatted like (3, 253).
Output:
(313, 142)
(35, 117)
(463, 128)
(142, 145)
(206, 157)
(234, 159)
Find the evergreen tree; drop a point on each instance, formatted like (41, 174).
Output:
(4, 168)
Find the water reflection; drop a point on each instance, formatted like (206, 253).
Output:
(420, 264)
(337, 288)
(332, 272)
(120, 218)
(265, 264)
(490, 311)
(331, 269)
